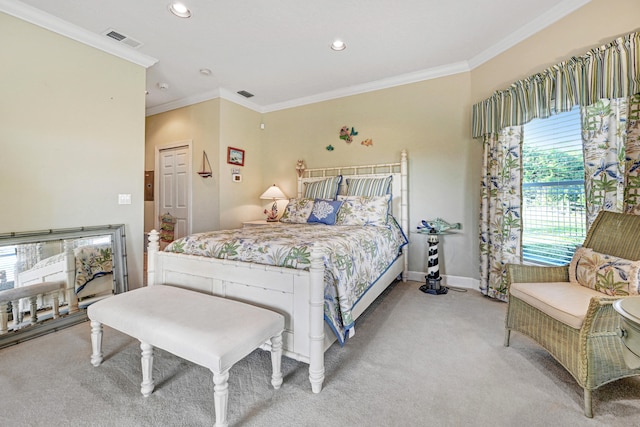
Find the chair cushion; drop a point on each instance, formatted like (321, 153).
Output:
(604, 273)
(564, 301)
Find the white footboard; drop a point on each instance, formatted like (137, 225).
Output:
(296, 294)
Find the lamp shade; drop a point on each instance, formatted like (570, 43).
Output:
(273, 193)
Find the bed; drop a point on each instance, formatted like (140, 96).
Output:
(295, 285)
(86, 269)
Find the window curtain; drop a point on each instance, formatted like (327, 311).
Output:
(609, 72)
(501, 201)
(611, 144)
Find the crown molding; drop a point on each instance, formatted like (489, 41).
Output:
(42, 19)
(206, 96)
(183, 102)
(240, 100)
(552, 15)
(403, 79)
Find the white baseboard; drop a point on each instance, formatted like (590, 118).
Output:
(447, 280)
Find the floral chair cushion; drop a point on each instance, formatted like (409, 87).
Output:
(604, 273)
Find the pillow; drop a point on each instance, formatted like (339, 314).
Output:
(604, 273)
(297, 211)
(325, 211)
(357, 210)
(369, 186)
(325, 189)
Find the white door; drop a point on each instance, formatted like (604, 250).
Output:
(175, 167)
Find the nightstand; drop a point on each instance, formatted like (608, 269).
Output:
(258, 222)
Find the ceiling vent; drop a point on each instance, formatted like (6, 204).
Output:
(245, 93)
(118, 36)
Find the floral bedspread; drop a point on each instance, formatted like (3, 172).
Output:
(92, 261)
(354, 257)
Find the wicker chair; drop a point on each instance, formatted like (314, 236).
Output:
(593, 354)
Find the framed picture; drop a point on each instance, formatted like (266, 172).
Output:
(235, 156)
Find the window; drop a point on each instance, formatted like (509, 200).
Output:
(553, 202)
(7, 265)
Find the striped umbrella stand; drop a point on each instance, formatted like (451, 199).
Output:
(433, 278)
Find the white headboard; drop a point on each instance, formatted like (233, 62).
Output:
(398, 170)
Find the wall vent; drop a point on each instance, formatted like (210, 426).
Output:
(245, 93)
(118, 36)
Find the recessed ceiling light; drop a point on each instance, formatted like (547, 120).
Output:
(205, 71)
(179, 10)
(338, 45)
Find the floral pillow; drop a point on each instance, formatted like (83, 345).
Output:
(297, 211)
(605, 273)
(325, 211)
(358, 210)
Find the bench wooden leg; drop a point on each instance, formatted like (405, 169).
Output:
(4, 318)
(147, 385)
(56, 305)
(34, 309)
(221, 397)
(276, 361)
(96, 343)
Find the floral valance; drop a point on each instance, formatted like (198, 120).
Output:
(610, 71)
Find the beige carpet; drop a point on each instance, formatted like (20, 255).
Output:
(416, 360)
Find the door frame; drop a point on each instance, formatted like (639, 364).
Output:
(156, 180)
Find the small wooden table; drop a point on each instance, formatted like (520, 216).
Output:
(629, 310)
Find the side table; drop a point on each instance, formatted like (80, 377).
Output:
(629, 332)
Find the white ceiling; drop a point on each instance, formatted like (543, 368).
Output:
(279, 50)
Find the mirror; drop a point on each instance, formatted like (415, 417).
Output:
(49, 278)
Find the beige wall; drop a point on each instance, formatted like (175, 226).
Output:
(214, 125)
(72, 136)
(429, 119)
(240, 201)
(200, 124)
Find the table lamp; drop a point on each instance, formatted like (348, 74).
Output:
(274, 193)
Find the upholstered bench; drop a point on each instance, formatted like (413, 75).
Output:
(14, 295)
(210, 331)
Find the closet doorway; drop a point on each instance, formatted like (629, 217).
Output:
(173, 181)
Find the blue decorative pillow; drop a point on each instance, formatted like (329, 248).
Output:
(325, 211)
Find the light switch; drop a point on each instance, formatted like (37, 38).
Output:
(124, 199)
